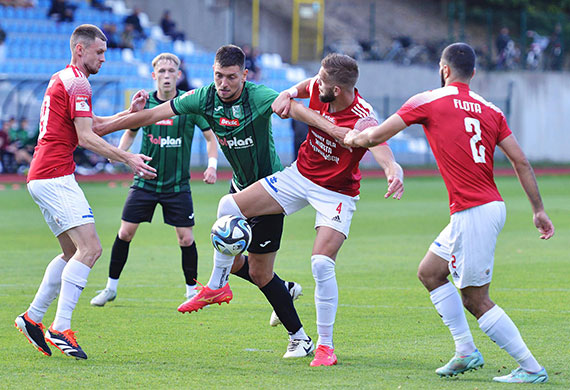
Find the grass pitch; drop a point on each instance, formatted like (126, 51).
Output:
(387, 333)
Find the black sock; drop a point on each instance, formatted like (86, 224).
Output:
(279, 297)
(243, 272)
(119, 255)
(190, 263)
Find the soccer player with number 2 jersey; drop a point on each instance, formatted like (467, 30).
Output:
(463, 130)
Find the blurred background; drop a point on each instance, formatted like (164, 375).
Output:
(522, 64)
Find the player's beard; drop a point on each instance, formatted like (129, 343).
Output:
(92, 69)
(327, 97)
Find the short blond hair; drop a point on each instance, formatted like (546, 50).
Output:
(166, 57)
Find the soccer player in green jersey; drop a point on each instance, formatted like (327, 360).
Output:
(239, 113)
(169, 143)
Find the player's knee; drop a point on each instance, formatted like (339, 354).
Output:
(126, 235)
(228, 206)
(185, 240)
(260, 277)
(323, 268)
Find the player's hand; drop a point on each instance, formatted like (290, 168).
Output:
(395, 187)
(350, 138)
(543, 224)
(138, 101)
(282, 105)
(137, 162)
(210, 175)
(339, 133)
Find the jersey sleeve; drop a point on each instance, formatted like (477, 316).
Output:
(188, 102)
(201, 122)
(504, 130)
(416, 109)
(79, 103)
(263, 98)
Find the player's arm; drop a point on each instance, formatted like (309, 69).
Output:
(89, 140)
(393, 171)
(310, 117)
(137, 103)
(210, 175)
(136, 119)
(524, 172)
(127, 139)
(375, 135)
(282, 103)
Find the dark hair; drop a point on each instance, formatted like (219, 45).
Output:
(461, 58)
(341, 69)
(230, 55)
(86, 33)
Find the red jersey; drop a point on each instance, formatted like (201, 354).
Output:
(321, 159)
(68, 96)
(462, 129)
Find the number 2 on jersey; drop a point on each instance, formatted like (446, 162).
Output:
(472, 124)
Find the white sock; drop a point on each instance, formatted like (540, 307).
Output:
(112, 284)
(221, 271)
(299, 335)
(190, 289)
(501, 329)
(448, 304)
(326, 297)
(73, 280)
(48, 290)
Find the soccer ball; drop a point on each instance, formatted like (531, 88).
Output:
(231, 235)
(364, 123)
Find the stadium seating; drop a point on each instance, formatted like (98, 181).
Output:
(37, 47)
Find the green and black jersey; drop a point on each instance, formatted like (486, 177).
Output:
(169, 143)
(243, 128)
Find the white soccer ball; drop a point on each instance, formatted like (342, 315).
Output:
(231, 235)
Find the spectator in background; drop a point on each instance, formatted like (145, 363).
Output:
(2, 45)
(100, 5)
(61, 11)
(22, 144)
(254, 73)
(300, 130)
(128, 37)
(169, 27)
(134, 20)
(556, 52)
(183, 82)
(113, 38)
(7, 162)
(501, 43)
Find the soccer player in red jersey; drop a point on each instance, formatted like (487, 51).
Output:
(66, 122)
(326, 176)
(463, 130)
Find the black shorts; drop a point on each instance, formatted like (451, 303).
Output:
(266, 232)
(177, 207)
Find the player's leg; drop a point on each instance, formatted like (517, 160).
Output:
(189, 252)
(73, 281)
(139, 207)
(178, 211)
(501, 329)
(30, 322)
(433, 272)
(325, 249)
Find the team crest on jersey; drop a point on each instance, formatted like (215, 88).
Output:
(237, 111)
(165, 122)
(82, 103)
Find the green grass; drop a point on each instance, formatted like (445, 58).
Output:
(387, 333)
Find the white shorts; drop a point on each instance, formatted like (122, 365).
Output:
(468, 243)
(293, 191)
(62, 203)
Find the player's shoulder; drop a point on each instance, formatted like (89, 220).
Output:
(74, 81)
(485, 102)
(431, 96)
(361, 107)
